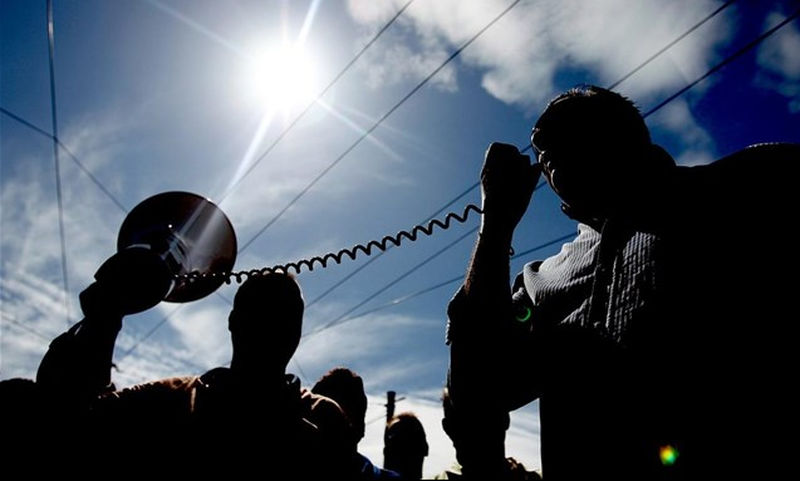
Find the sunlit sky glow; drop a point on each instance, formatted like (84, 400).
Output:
(157, 95)
(282, 77)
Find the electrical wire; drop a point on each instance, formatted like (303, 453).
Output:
(72, 156)
(672, 43)
(149, 333)
(27, 329)
(379, 254)
(57, 162)
(726, 61)
(396, 280)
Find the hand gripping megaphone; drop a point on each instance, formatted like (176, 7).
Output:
(163, 239)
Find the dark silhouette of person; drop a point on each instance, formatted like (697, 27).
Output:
(234, 420)
(460, 431)
(22, 421)
(76, 369)
(648, 332)
(405, 446)
(347, 389)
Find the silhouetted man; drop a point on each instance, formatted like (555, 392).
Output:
(653, 328)
(405, 446)
(251, 416)
(347, 389)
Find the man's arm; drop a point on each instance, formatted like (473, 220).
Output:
(477, 330)
(77, 366)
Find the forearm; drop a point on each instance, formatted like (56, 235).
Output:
(479, 317)
(487, 282)
(476, 378)
(78, 362)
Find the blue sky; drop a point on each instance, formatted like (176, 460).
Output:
(157, 95)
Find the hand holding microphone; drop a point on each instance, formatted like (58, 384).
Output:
(507, 182)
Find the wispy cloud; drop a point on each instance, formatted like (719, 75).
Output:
(362, 340)
(32, 292)
(780, 61)
(694, 143)
(523, 54)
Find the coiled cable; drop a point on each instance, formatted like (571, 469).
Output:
(352, 253)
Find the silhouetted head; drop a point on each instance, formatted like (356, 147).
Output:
(266, 322)
(347, 389)
(594, 148)
(19, 399)
(405, 446)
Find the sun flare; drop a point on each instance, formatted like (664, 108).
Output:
(282, 78)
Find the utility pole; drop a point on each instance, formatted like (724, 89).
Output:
(390, 400)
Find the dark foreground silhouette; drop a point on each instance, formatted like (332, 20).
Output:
(653, 339)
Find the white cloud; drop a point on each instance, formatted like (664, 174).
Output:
(399, 63)
(355, 341)
(157, 360)
(522, 54)
(780, 61)
(202, 328)
(696, 143)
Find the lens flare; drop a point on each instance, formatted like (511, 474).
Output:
(668, 455)
(525, 315)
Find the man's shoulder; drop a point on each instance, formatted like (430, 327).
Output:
(323, 412)
(771, 160)
(758, 179)
(322, 405)
(171, 384)
(150, 402)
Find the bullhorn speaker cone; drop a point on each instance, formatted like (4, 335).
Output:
(190, 233)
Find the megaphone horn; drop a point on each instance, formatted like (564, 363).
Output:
(190, 233)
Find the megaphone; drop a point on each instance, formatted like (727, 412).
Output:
(190, 235)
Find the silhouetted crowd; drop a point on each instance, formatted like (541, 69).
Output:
(657, 342)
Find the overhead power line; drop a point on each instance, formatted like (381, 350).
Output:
(69, 153)
(149, 333)
(672, 43)
(57, 164)
(376, 125)
(396, 280)
(379, 254)
(726, 61)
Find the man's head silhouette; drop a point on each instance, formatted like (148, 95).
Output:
(265, 323)
(595, 150)
(405, 445)
(347, 389)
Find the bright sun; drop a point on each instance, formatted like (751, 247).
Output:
(282, 78)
